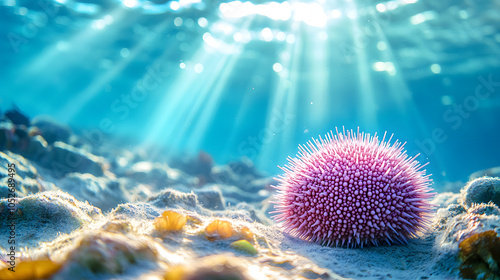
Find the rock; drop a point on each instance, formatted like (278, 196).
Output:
(22, 140)
(148, 173)
(63, 159)
(203, 164)
(23, 168)
(42, 217)
(456, 225)
(172, 198)
(241, 174)
(244, 166)
(105, 252)
(17, 117)
(200, 165)
(158, 175)
(37, 148)
(23, 187)
(92, 254)
(101, 192)
(260, 184)
(136, 191)
(444, 214)
(26, 178)
(480, 256)
(217, 196)
(60, 158)
(486, 209)
(442, 200)
(121, 163)
(118, 226)
(248, 211)
(224, 175)
(235, 194)
(211, 197)
(138, 210)
(14, 138)
(6, 135)
(51, 130)
(490, 172)
(481, 190)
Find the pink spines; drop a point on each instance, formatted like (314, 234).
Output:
(353, 189)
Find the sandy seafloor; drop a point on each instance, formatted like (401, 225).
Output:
(89, 205)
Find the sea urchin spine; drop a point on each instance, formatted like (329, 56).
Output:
(352, 189)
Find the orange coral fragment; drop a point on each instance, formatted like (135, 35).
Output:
(480, 255)
(170, 221)
(176, 273)
(31, 270)
(245, 233)
(219, 230)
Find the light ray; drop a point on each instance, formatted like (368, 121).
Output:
(199, 99)
(187, 108)
(203, 109)
(369, 105)
(398, 87)
(74, 105)
(51, 58)
(213, 98)
(318, 79)
(284, 101)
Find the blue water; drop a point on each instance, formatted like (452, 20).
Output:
(240, 79)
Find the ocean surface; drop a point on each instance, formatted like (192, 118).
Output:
(256, 79)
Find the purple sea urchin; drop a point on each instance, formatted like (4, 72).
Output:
(352, 189)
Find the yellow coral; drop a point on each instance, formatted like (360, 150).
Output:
(219, 230)
(176, 273)
(170, 221)
(245, 233)
(31, 270)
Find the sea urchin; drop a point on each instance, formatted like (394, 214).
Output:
(352, 189)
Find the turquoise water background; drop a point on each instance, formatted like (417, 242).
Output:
(257, 79)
